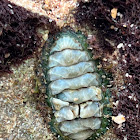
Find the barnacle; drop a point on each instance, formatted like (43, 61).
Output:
(74, 88)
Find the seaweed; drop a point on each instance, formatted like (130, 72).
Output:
(18, 34)
(125, 28)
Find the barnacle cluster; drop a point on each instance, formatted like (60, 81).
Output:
(74, 88)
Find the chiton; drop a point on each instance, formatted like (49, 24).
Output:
(74, 88)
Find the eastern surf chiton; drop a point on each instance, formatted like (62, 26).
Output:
(74, 88)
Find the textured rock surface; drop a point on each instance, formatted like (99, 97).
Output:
(19, 118)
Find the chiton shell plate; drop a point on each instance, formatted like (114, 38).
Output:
(73, 87)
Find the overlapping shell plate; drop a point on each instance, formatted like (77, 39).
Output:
(73, 87)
